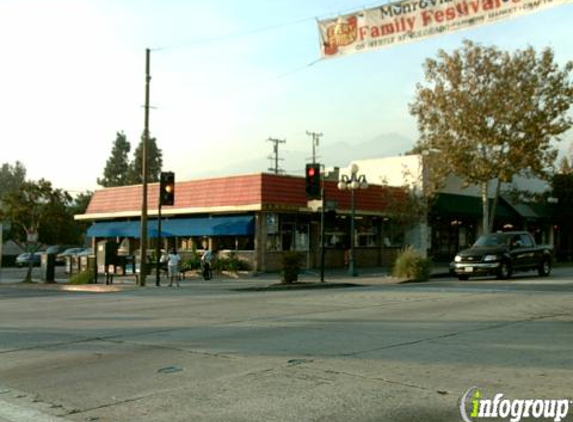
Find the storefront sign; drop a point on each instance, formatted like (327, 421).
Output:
(272, 223)
(413, 20)
(279, 207)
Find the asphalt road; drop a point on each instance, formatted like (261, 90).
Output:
(207, 352)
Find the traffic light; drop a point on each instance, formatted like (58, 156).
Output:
(313, 181)
(167, 188)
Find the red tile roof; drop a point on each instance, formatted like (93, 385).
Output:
(247, 192)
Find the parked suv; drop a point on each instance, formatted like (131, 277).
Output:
(502, 254)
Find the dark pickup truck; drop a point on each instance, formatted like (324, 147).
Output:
(502, 254)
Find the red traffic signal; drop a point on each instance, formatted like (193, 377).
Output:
(313, 181)
(167, 188)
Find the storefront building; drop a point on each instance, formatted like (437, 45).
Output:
(455, 222)
(454, 214)
(256, 217)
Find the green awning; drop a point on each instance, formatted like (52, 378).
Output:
(543, 210)
(448, 204)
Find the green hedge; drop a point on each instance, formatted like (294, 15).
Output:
(412, 265)
(231, 263)
(292, 263)
(85, 277)
(192, 263)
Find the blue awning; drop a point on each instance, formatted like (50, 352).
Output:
(202, 226)
(114, 229)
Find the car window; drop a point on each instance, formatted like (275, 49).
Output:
(516, 241)
(526, 241)
(492, 240)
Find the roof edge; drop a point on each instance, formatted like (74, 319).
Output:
(168, 212)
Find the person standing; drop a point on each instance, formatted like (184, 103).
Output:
(206, 261)
(173, 260)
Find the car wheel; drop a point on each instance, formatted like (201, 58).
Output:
(545, 268)
(463, 277)
(504, 271)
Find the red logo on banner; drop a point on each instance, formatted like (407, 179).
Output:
(341, 34)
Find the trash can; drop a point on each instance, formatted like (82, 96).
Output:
(48, 267)
(90, 264)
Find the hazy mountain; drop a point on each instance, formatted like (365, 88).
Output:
(339, 154)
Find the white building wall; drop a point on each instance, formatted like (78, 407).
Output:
(391, 171)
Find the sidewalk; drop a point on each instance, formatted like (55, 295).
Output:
(12, 277)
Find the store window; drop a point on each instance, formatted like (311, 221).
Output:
(366, 232)
(273, 242)
(393, 234)
(226, 242)
(245, 243)
(335, 239)
(292, 237)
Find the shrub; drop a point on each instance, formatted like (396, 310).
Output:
(292, 262)
(192, 263)
(410, 264)
(85, 277)
(230, 263)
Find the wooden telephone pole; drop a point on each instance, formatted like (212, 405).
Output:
(275, 155)
(315, 140)
(143, 233)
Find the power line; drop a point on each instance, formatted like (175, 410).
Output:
(298, 69)
(255, 31)
(233, 35)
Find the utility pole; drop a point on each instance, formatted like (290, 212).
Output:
(143, 233)
(315, 139)
(322, 223)
(276, 158)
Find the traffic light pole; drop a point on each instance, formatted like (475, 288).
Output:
(158, 247)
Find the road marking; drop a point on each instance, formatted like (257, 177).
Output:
(12, 413)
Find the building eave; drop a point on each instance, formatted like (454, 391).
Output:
(169, 212)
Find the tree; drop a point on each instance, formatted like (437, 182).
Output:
(566, 163)
(116, 170)
(81, 202)
(37, 208)
(80, 205)
(491, 115)
(154, 160)
(565, 166)
(11, 177)
(57, 225)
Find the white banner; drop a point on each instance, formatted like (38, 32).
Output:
(412, 20)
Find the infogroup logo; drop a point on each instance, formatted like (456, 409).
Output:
(474, 406)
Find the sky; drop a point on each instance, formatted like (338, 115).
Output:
(226, 76)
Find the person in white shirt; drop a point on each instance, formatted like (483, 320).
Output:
(173, 260)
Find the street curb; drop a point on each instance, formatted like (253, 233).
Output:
(89, 288)
(297, 286)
